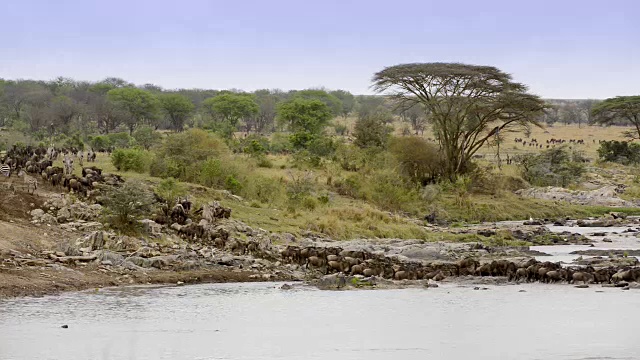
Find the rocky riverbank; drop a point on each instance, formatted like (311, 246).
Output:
(62, 245)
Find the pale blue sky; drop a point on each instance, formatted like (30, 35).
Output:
(561, 48)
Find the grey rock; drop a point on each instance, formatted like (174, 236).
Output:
(151, 228)
(36, 213)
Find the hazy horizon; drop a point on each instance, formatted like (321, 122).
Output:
(561, 50)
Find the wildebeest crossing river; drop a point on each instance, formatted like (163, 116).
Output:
(262, 321)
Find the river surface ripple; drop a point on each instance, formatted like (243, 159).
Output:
(261, 321)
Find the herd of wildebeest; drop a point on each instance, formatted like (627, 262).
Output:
(358, 262)
(533, 142)
(37, 161)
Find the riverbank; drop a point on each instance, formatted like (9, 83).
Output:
(47, 281)
(55, 243)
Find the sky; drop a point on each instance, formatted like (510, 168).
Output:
(572, 49)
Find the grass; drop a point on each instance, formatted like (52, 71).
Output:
(346, 218)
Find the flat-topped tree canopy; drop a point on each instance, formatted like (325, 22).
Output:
(466, 104)
(619, 108)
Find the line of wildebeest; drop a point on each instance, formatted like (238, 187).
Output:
(358, 262)
(550, 143)
(38, 160)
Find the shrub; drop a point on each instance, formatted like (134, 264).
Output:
(146, 137)
(418, 160)
(622, 152)
(300, 186)
(280, 143)
(182, 155)
(264, 162)
(390, 191)
(553, 167)
(169, 189)
(99, 142)
(348, 187)
(74, 142)
(309, 203)
(125, 204)
(371, 130)
(265, 190)
(350, 158)
(340, 129)
(131, 160)
(120, 140)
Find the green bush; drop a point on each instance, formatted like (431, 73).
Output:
(74, 142)
(622, 152)
(146, 137)
(99, 142)
(280, 144)
(388, 190)
(340, 129)
(265, 190)
(553, 167)
(169, 189)
(348, 187)
(372, 131)
(182, 155)
(136, 160)
(120, 140)
(264, 162)
(419, 160)
(350, 158)
(125, 204)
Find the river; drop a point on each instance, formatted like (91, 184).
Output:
(261, 321)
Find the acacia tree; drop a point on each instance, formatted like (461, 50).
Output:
(177, 108)
(140, 105)
(468, 104)
(620, 108)
(231, 107)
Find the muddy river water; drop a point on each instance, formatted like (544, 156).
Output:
(261, 321)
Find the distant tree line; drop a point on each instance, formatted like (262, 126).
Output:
(64, 105)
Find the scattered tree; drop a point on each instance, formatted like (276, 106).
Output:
(372, 131)
(140, 105)
(177, 108)
(621, 108)
(467, 104)
(347, 99)
(231, 107)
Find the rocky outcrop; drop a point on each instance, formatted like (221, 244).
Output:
(605, 196)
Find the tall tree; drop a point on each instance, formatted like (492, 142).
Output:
(305, 118)
(63, 111)
(140, 105)
(620, 108)
(318, 94)
(468, 104)
(177, 108)
(267, 101)
(231, 107)
(347, 99)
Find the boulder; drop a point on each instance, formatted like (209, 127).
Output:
(333, 281)
(36, 214)
(93, 241)
(213, 211)
(151, 228)
(110, 256)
